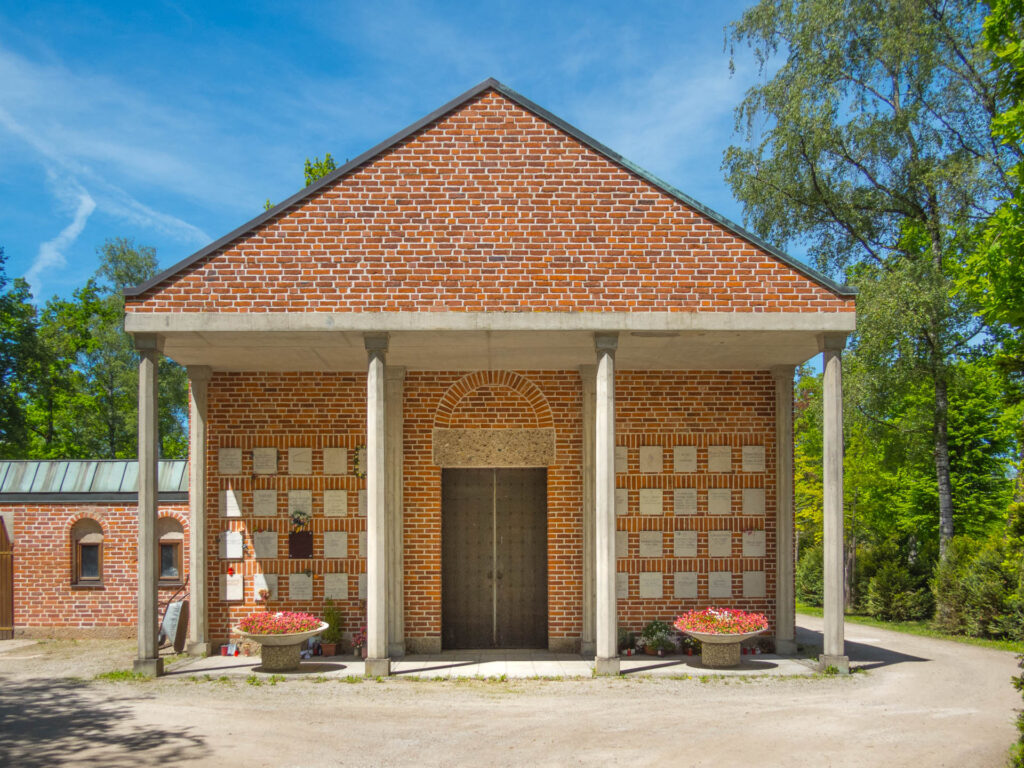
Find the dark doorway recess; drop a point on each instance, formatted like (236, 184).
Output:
(494, 573)
(6, 585)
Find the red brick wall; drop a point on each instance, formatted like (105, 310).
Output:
(44, 595)
(490, 209)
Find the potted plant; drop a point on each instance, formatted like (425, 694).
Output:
(720, 632)
(281, 636)
(657, 638)
(359, 641)
(627, 641)
(331, 637)
(300, 539)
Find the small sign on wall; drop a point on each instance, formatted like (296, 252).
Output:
(264, 582)
(231, 545)
(265, 544)
(335, 461)
(300, 586)
(230, 503)
(264, 461)
(229, 461)
(232, 587)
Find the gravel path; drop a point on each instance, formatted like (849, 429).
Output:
(920, 702)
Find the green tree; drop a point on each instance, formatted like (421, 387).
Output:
(318, 168)
(19, 358)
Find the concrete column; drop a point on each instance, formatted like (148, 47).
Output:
(377, 661)
(832, 407)
(606, 628)
(198, 628)
(394, 381)
(588, 644)
(785, 605)
(148, 661)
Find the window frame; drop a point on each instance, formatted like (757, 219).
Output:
(88, 581)
(176, 545)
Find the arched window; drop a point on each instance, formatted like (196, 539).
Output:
(172, 537)
(87, 553)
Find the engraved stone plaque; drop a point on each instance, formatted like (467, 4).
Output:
(753, 584)
(335, 503)
(651, 458)
(622, 543)
(684, 501)
(362, 543)
(265, 544)
(753, 544)
(685, 543)
(230, 503)
(361, 586)
(336, 544)
(264, 461)
(652, 501)
(719, 458)
(300, 461)
(267, 581)
(300, 586)
(363, 502)
(264, 503)
(621, 585)
(720, 501)
(335, 461)
(229, 461)
(300, 501)
(336, 586)
(232, 587)
(231, 545)
(684, 458)
(621, 501)
(621, 459)
(753, 458)
(650, 544)
(685, 585)
(719, 543)
(753, 501)
(651, 584)
(720, 584)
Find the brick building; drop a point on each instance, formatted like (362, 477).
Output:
(516, 391)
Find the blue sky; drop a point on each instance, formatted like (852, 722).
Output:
(171, 122)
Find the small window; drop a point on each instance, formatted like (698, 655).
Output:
(172, 538)
(87, 552)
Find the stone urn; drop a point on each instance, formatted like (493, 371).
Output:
(720, 651)
(282, 652)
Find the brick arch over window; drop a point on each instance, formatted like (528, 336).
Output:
(518, 397)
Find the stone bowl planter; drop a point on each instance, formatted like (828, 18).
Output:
(281, 653)
(720, 651)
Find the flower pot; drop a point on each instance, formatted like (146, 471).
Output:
(300, 544)
(720, 651)
(329, 649)
(282, 653)
(362, 651)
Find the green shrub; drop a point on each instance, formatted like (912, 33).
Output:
(335, 623)
(810, 579)
(894, 595)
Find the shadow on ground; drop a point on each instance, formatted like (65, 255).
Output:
(862, 655)
(59, 722)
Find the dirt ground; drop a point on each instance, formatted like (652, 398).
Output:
(917, 702)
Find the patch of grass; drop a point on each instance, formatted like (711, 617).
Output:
(253, 680)
(351, 679)
(275, 679)
(223, 679)
(124, 676)
(320, 679)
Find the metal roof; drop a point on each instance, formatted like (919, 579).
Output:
(87, 480)
(543, 114)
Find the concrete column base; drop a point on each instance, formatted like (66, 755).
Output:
(200, 649)
(377, 667)
(151, 667)
(842, 663)
(606, 667)
(396, 650)
(785, 647)
(588, 649)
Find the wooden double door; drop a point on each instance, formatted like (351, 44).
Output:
(494, 573)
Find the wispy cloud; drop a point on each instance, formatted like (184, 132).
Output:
(51, 253)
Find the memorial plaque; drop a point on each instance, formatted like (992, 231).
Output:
(753, 544)
(336, 544)
(684, 458)
(264, 581)
(264, 461)
(685, 543)
(335, 503)
(621, 501)
(362, 543)
(265, 544)
(231, 545)
(335, 461)
(229, 461)
(685, 585)
(622, 543)
(719, 543)
(753, 458)
(720, 501)
(264, 502)
(753, 584)
(363, 502)
(652, 501)
(719, 458)
(232, 588)
(651, 585)
(300, 501)
(684, 501)
(652, 458)
(753, 501)
(230, 503)
(651, 544)
(300, 461)
(300, 586)
(361, 586)
(720, 584)
(336, 586)
(621, 459)
(621, 585)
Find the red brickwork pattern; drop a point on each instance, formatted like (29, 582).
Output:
(490, 209)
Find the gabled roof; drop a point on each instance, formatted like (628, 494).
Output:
(543, 114)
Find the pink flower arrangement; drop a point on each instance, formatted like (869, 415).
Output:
(280, 623)
(721, 621)
(359, 638)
